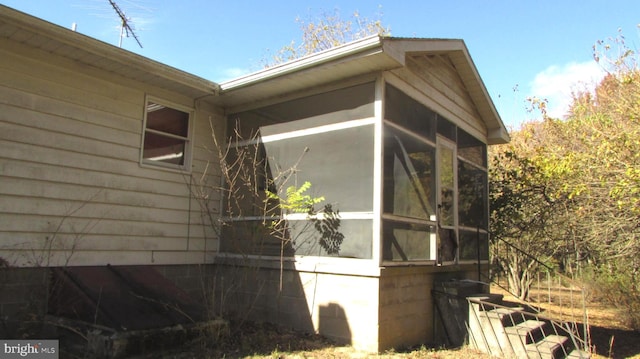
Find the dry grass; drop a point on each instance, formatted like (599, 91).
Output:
(346, 352)
(610, 338)
(265, 341)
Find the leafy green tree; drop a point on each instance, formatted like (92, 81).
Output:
(530, 210)
(572, 186)
(605, 127)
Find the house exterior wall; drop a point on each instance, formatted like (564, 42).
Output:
(370, 310)
(197, 280)
(435, 82)
(344, 307)
(374, 311)
(338, 305)
(74, 193)
(24, 295)
(406, 311)
(73, 190)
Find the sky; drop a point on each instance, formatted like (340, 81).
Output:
(522, 49)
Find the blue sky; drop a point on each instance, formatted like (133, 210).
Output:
(539, 48)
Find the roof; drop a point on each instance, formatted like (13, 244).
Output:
(367, 55)
(360, 57)
(57, 40)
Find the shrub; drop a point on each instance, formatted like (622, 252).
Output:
(617, 287)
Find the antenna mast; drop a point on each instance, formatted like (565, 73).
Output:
(125, 28)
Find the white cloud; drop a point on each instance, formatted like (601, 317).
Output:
(557, 83)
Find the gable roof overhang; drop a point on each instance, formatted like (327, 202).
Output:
(18, 27)
(367, 55)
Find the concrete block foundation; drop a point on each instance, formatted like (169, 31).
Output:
(389, 308)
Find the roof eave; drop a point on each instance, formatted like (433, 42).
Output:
(496, 131)
(382, 53)
(108, 52)
(359, 58)
(369, 45)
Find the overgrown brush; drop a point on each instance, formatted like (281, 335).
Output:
(618, 288)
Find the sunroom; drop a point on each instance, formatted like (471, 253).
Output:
(385, 140)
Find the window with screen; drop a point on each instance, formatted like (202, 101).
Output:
(435, 201)
(325, 139)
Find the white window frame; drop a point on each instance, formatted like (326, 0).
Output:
(188, 140)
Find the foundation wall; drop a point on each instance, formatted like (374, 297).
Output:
(407, 315)
(24, 295)
(23, 299)
(198, 280)
(344, 308)
(340, 307)
(394, 309)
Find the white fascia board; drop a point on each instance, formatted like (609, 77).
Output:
(425, 45)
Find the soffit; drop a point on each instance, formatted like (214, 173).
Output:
(39, 34)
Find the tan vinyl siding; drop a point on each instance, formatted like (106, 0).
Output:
(436, 77)
(441, 74)
(72, 190)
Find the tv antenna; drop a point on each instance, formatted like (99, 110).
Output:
(125, 26)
